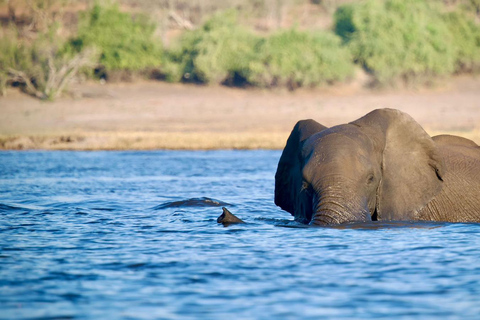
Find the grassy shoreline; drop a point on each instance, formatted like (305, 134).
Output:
(137, 141)
(145, 141)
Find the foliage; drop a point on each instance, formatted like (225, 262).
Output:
(344, 26)
(294, 58)
(395, 39)
(412, 40)
(223, 52)
(474, 5)
(466, 39)
(125, 43)
(217, 52)
(11, 55)
(40, 66)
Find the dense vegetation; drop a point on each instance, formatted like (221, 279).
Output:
(125, 43)
(294, 59)
(395, 41)
(43, 67)
(217, 52)
(408, 39)
(223, 52)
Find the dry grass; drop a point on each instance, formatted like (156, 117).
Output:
(145, 141)
(164, 141)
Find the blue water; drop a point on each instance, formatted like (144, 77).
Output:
(133, 235)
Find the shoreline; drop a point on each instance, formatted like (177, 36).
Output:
(92, 141)
(152, 115)
(144, 141)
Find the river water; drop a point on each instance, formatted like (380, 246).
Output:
(133, 235)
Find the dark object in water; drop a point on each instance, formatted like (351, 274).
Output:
(227, 218)
(193, 202)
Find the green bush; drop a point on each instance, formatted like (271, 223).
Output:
(124, 43)
(344, 26)
(219, 51)
(398, 39)
(466, 39)
(13, 56)
(474, 5)
(295, 58)
(41, 67)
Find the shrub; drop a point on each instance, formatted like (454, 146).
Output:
(221, 51)
(217, 52)
(41, 67)
(294, 58)
(466, 39)
(344, 26)
(12, 56)
(398, 39)
(124, 43)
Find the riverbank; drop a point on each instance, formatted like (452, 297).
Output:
(157, 115)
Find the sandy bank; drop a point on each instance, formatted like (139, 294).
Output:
(155, 115)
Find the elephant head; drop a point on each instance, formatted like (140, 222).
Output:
(383, 166)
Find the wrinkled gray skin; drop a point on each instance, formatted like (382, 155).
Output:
(383, 166)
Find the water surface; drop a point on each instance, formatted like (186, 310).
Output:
(133, 235)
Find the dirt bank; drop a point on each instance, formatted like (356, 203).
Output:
(156, 115)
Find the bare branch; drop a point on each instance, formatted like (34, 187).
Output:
(22, 77)
(183, 23)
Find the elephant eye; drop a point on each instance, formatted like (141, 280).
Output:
(305, 185)
(307, 188)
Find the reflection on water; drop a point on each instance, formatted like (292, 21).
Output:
(133, 235)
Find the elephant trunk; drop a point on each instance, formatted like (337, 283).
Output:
(333, 209)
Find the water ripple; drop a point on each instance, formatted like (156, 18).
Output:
(125, 235)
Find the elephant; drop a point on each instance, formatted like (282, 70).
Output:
(381, 167)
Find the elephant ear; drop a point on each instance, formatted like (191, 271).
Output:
(288, 178)
(412, 167)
